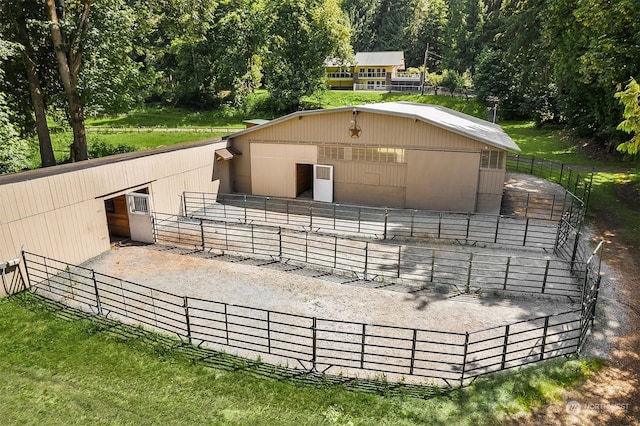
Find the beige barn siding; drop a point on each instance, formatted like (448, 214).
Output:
(490, 188)
(63, 216)
(273, 167)
(377, 130)
(241, 166)
(351, 172)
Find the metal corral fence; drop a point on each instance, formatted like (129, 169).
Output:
(380, 222)
(317, 344)
(572, 178)
(376, 260)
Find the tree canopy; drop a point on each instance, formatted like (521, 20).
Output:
(554, 61)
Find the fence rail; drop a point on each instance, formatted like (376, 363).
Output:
(316, 343)
(576, 180)
(382, 223)
(381, 261)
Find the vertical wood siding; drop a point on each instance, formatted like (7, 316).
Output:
(63, 215)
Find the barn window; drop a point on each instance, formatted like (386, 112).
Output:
(492, 160)
(361, 154)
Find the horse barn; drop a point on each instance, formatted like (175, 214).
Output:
(396, 154)
(74, 211)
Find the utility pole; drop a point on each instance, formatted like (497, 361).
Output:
(424, 69)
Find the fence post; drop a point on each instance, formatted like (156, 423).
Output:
(26, 270)
(526, 231)
(504, 346)
(364, 333)
(433, 263)
(399, 259)
(464, 357)
(544, 337)
(287, 212)
(466, 237)
(226, 237)
(268, 331)
(468, 286)
(386, 218)
(533, 158)
(314, 348)
(280, 243)
(506, 273)
(265, 208)
(95, 288)
(359, 211)
(439, 224)
(413, 350)
(185, 304)
(245, 208)
(335, 251)
(310, 217)
(226, 324)
(561, 171)
(253, 248)
(495, 237)
(201, 234)
(204, 205)
(546, 274)
(184, 202)
(413, 213)
(366, 259)
(575, 249)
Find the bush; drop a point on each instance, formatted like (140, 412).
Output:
(101, 148)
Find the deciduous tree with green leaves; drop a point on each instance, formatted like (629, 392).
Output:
(13, 149)
(630, 99)
(302, 34)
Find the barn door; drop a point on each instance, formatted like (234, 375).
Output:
(323, 183)
(140, 219)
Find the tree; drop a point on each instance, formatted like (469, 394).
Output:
(630, 99)
(303, 33)
(68, 41)
(451, 80)
(17, 15)
(13, 148)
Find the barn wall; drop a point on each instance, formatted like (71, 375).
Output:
(369, 182)
(60, 212)
(273, 167)
(490, 188)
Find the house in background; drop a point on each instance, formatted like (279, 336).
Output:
(372, 71)
(396, 154)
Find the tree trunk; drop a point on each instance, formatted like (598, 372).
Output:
(37, 100)
(42, 128)
(69, 67)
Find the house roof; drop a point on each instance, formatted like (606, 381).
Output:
(436, 115)
(395, 58)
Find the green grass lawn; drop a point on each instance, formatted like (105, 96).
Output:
(62, 367)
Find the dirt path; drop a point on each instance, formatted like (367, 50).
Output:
(612, 396)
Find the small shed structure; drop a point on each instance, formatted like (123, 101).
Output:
(396, 154)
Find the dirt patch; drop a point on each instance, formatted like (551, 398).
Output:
(629, 194)
(612, 396)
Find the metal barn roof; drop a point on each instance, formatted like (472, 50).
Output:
(436, 115)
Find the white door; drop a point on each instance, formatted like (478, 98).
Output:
(323, 183)
(140, 220)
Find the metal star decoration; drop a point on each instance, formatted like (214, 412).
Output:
(355, 131)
